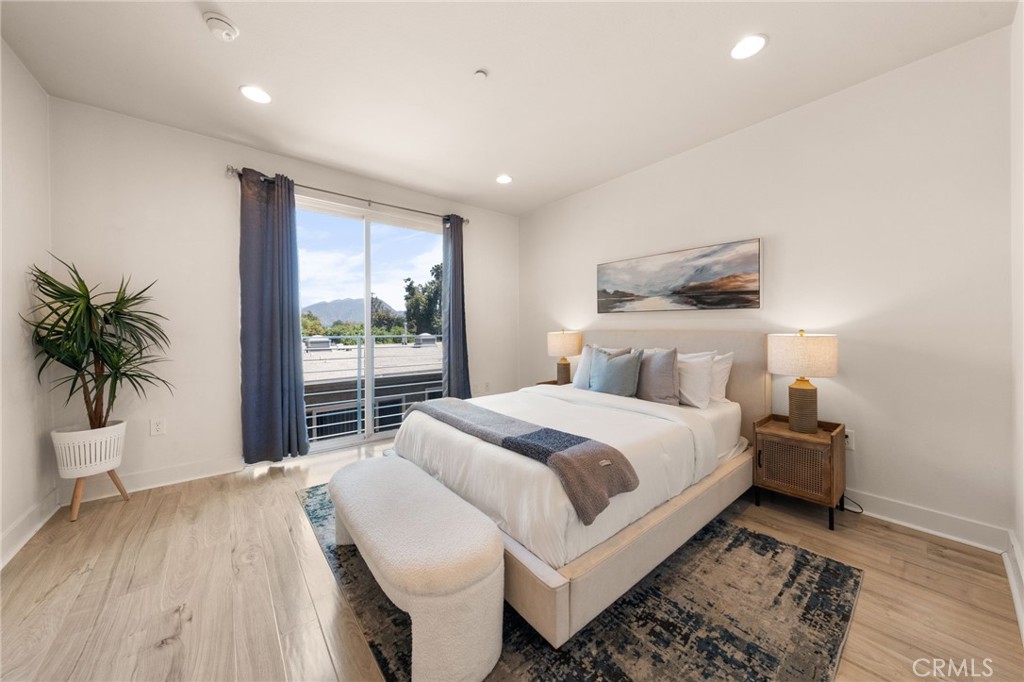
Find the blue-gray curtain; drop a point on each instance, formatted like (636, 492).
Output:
(273, 408)
(454, 355)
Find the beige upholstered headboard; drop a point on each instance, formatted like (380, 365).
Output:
(749, 382)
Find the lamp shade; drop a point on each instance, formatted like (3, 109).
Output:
(803, 355)
(563, 344)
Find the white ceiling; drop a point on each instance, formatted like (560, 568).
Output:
(578, 93)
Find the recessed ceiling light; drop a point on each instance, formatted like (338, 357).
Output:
(255, 93)
(749, 46)
(220, 26)
(503, 179)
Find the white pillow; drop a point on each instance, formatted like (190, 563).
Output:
(582, 376)
(694, 377)
(696, 356)
(721, 366)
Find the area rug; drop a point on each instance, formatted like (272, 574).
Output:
(731, 604)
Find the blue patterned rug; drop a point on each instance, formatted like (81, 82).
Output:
(730, 604)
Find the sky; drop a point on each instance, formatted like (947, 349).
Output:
(331, 258)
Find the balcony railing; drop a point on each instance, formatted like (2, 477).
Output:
(343, 375)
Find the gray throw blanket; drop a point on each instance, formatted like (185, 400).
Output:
(590, 472)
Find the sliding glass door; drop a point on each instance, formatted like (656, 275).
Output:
(371, 307)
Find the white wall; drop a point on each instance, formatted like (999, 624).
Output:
(29, 471)
(1017, 296)
(883, 211)
(154, 201)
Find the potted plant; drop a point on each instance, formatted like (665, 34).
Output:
(103, 340)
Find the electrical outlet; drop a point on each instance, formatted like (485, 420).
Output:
(487, 388)
(157, 427)
(850, 445)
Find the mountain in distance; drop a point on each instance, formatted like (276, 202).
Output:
(747, 281)
(343, 309)
(618, 293)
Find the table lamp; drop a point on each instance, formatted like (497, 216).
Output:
(803, 355)
(560, 345)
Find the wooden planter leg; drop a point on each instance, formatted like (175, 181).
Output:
(76, 498)
(117, 481)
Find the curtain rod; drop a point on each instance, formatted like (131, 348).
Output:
(231, 170)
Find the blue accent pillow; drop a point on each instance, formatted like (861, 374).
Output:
(615, 374)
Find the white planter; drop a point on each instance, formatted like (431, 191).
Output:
(82, 453)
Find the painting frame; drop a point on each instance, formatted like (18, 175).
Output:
(724, 276)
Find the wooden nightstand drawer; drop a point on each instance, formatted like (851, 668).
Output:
(808, 466)
(799, 469)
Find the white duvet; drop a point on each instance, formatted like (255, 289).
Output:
(670, 448)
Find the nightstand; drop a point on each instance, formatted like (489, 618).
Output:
(552, 382)
(808, 466)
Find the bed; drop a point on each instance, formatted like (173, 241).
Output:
(691, 464)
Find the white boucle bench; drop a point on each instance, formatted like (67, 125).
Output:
(435, 556)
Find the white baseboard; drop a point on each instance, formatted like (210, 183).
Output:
(968, 531)
(100, 486)
(949, 526)
(22, 530)
(1013, 560)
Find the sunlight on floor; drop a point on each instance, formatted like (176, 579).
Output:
(314, 469)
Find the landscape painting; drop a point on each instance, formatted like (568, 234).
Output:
(708, 277)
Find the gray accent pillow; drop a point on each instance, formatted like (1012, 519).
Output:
(616, 375)
(657, 379)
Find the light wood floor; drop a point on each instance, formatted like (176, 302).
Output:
(222, 579)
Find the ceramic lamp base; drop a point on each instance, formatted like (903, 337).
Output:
(563, 372)
(803, 407)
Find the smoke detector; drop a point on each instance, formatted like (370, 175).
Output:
(220, 26)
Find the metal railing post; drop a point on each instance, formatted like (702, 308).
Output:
(371, 388)
(359, 387)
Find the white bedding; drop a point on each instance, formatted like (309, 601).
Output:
(670, 448)
(724, 417)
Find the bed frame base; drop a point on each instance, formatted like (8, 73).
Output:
(559, 603)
